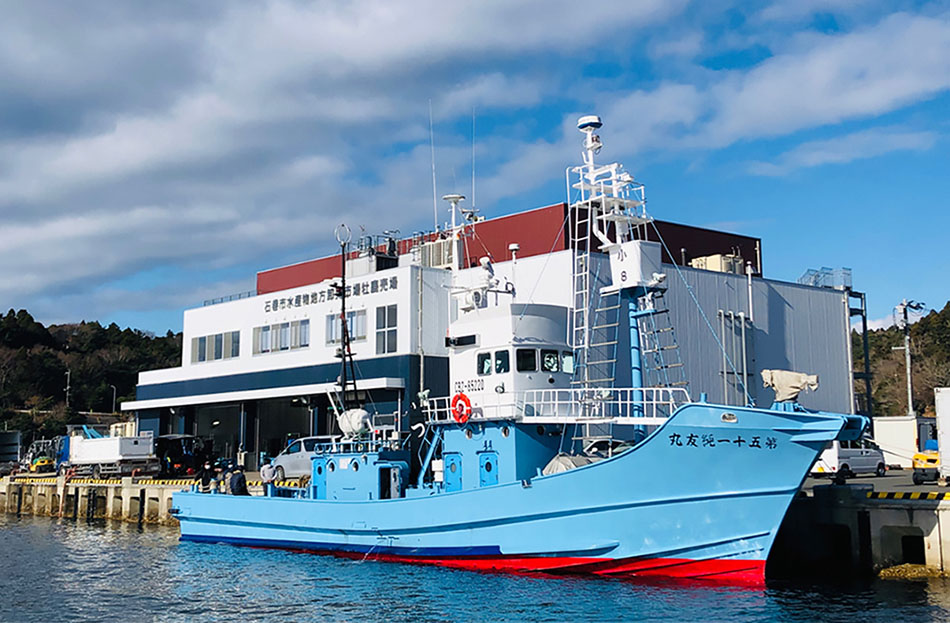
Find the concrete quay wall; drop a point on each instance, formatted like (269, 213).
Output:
(852, 530)
(123, 499)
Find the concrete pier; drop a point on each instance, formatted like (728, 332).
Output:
(853, 530)
(141, 500)
(125, 499)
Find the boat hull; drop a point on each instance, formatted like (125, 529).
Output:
(701, 498)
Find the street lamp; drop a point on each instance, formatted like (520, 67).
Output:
(903, 307)
(113, 397)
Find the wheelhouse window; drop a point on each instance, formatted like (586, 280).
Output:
(484, 364)
(502, 362)
(386, 329)
(550, 361)
(567, 362)
(526, 360)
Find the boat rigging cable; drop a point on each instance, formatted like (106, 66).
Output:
(712, 331)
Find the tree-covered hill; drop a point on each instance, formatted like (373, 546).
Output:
(34, 361)
(930, 352)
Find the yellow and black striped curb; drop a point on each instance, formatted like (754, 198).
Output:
(908, 495)
(175, 482)
(94, 481)
(295, 484)
(183, 482)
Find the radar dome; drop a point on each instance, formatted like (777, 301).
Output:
(352, 422)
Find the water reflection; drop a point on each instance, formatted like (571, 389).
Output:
(58, 570)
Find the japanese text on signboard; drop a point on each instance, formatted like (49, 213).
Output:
(323, 295)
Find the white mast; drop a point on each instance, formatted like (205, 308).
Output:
(454, 200)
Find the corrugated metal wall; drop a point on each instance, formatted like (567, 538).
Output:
(795, 327)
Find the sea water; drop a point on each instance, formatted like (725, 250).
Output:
(61, 570)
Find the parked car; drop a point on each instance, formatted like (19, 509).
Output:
(846, 459)
(294, 461)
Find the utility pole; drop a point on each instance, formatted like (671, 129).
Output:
(67, 388)
(903, 308)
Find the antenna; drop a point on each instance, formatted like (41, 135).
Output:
(435, 199)
(473, 157)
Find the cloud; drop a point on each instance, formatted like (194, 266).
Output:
(789, 10)
(874, 324)
(214, 137)
(824, 79)
(855, 146)
(687, 45)
(885, 322)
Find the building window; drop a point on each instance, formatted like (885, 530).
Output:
(526, 359)
(285, 336)
(265, 339)
(355, 326)
(281, 337)
(385, 329)
(215, 347)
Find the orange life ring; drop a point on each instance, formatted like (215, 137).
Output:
(461, 408)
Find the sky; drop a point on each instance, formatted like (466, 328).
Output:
(154, 155)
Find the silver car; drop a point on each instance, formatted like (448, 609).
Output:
(294, 461)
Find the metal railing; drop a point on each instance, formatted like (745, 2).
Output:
(337, 444)
(632, 405)
(230, 297)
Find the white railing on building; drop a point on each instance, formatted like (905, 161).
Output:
(230, 297)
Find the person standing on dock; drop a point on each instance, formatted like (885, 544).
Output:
(268, 472)
(238, 482)
(224, 478)
(205, 476)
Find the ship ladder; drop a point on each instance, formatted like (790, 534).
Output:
(661, 358)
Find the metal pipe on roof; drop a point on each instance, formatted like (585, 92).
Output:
(745, 363)
(722, 338)
(748, 272)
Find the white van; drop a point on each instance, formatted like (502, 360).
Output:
(844, 459)
(294, 461)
